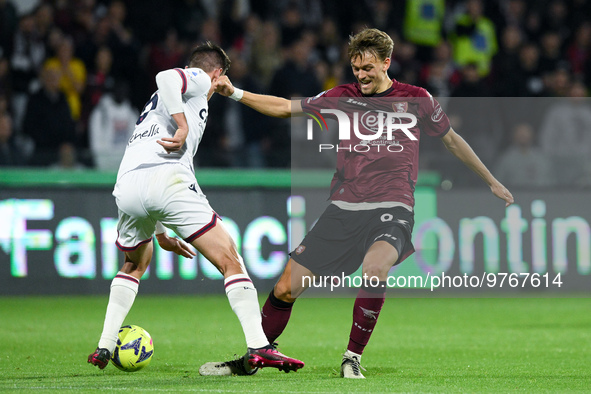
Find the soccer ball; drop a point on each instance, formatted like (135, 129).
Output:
(134, 349)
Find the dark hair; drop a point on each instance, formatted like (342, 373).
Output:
(209, 56)
(374, 41)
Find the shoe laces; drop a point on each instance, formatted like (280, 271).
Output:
(355, 365)
(238, 362)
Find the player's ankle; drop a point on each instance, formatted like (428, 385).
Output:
(351, 354)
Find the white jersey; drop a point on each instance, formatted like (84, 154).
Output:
(179, 90)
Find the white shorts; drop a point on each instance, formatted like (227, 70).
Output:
(167, 193)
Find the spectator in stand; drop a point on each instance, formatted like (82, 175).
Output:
(551, 55)
(292, 25)
(164, 55)
(72, 75)
(247, 131)
(329, 43)
(122, 42)
(99, 81)
(67, 158)
(514, 13)
(111, 124)
(474, 38)
(555, 19)
(295, 79)
(5, 78)
(48, 120)
(100, 37)
(579, 52)
(441, 76)
(559, 83)
(407, 67)
(26, 61)
(188, 16)
(423, 25)
(471, 85)
(266, 56)
(472, 112)
(77, 20)
(12, 153)
(523, 164)
(44, 23)
(528, 77)
(565, 136)
(506, 63)
(8, 24)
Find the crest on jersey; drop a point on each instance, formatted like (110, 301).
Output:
(400, 106)
(300, 249)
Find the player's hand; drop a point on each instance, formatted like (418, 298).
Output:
(502, 192)
(175, 143)
(175, 245)
(223, 86)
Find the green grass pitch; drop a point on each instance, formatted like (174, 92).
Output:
(420, 345)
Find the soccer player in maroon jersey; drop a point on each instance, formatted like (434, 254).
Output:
(370, 218)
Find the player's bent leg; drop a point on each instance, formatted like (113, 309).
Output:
(124, 288)
(378, 260)
(275, 315)
(218, 247)
(277, 308)
(291, 284)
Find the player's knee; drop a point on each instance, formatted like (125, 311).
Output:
(376, 270)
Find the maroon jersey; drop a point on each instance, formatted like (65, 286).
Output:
(380, 170)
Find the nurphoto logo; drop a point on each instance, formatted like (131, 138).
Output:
(373, 129)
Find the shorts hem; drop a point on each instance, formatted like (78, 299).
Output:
(131, 248)
(203, 229)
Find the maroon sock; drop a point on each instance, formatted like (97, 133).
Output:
(275, 315)
(366, 310)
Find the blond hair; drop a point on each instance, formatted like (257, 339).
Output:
(372, 41)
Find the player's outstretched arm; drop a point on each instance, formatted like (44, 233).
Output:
(460, 148)
(274, 106)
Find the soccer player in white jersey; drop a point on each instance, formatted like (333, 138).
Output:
(156, 188)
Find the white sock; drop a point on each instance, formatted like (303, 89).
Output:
(123, 291)
(245, 304)
(350, 354)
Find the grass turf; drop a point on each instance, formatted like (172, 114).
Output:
(420, 345)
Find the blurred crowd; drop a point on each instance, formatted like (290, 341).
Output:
(75, 74)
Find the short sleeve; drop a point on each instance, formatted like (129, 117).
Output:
(432, 119)
(195, 82)
(320, 101)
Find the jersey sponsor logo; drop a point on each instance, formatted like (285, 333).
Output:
(300, 249)
(145, 134)
(437, 115)
(353, 101)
